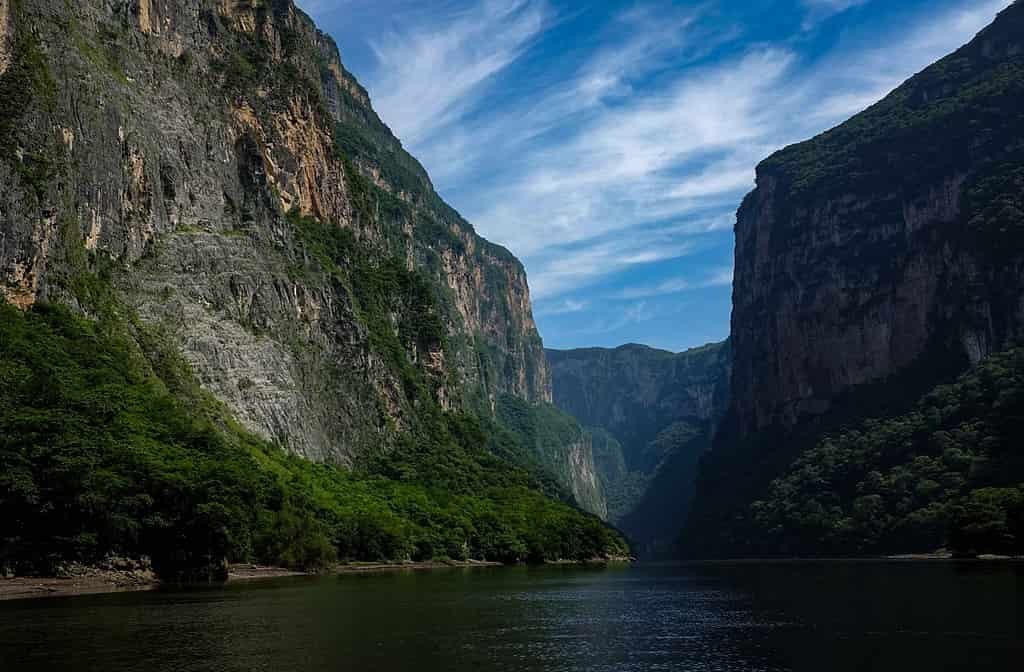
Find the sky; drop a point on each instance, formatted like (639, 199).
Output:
(608, 144)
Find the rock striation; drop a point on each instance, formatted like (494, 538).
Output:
(192, 153)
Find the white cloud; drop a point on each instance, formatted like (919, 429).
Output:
(642, 150)
(819, 10)
(637, 312)
(670, 286)
(563, 307)
(562, 269)
(428, 78)
(718, 278)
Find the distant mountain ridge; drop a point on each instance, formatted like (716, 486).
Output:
(651, 414)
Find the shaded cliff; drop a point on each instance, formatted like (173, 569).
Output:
(897, 232)
(651, 414)
(872, 262)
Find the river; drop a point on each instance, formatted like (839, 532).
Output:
(819, 616)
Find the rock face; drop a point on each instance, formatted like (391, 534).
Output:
(584, 482)
(193, 153)
(872, 263)
(5, 43)
(648, 411)
(888, 238)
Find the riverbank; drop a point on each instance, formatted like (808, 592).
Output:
(92, 581)
(938, 557)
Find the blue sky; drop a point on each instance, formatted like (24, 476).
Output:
(608, 144)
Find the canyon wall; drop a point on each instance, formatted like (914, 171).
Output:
(215, 163)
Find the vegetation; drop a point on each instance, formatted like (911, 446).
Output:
(542, 429)
(397, 305)
(541, 435)
(956, 97)
(653, 522)
(950, 473)
(107, 445)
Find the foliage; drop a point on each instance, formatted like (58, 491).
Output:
(540, 436)
(107, 445)
(953, 99)
(541, 429)
(397, 305)
(950, 472)
(655, 519)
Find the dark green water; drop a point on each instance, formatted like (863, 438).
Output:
(751, 616)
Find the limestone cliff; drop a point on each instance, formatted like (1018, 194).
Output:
(635, 391)
(205, 158)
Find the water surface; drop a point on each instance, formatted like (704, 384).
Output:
(732, 617)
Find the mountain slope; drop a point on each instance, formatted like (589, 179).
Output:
(872, 262)
(561, 448)
(947, 474)
(215, 119)
(651, 414)
(207, 172)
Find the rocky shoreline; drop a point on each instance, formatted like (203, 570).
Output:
(116, 575)
(135, 576)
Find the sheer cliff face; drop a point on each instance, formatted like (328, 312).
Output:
(5, 44)
(183, 149)
(892, 239)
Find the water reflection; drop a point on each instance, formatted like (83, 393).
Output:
(744, 616)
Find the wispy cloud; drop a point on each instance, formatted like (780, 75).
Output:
(563, 307)
(638, 150)
(631, 314)
(565, 268)
(819, 10)
(718, 278)
(428, 78)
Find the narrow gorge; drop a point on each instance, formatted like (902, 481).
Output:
(651, 415)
